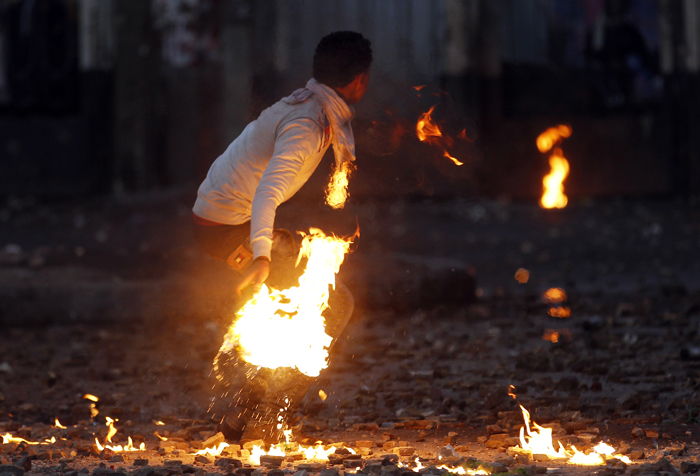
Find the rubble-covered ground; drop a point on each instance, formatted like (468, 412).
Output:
(404, 382)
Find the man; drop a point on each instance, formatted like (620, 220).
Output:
(266, 165)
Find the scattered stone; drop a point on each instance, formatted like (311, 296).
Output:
(273, 461)
(172, 462)
(352, 463)
(303, 472)
(389, 458)
(365, 427)
(102, 471)
(140, 462)
(258, 472)
(224, 462)
(505, 460)
(690, 468)
(328, 472)
(447, 454)
(214, 441)
(491, 429)
(405, 450)
(638, 433)
(498, 440)
(248, 445)
(116, 459)
(636, 454)
(675, 450)
(311, 467)
(202, 459)
(275, 472)
(540, 457)
(25, 462)
(364, 444)
(244, 471)
(651, 433)
(10, 469)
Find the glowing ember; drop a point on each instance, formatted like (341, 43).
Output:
(551, 335)
(286, 328)
(215, 451)
(551, 136)
(159, 423)
(322, 395)
(560, 312)
(162, 438)
(337, 189)
(57, 424)
(555, 295)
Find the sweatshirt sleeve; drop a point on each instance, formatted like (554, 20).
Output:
(295, 142)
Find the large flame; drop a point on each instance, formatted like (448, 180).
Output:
(286, 328)
(554, 196)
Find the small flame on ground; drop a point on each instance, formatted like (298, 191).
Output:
(215, 451)
(540, 442)
(118, 448)
(8, 438)
(57, 424)
(323, 395)
(162, 438)
(159, 423)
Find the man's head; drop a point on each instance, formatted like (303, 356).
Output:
(342, 61)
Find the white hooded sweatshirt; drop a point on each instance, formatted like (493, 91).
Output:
(266, 165)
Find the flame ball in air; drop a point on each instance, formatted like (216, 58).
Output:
(286, 328)
(426, 128)
(551, 136)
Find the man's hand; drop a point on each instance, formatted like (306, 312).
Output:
(255, 276)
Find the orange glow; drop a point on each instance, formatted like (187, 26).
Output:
(551, 136)
(91, 397)
(57, 424)
(511, 391)
(555, 295)
(551, 335)
(560, 312)
(322, 395)
(93, 408)
(8, 438)
(428, 131)
(418, 88)
(162, 438)
(286, 328)
(553, 182)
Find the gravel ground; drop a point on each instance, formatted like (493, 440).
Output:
(401, 381)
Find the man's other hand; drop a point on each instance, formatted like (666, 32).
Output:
(256, 276)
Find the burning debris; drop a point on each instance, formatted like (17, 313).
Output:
(428, 131)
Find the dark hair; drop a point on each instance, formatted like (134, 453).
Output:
(340, 57)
